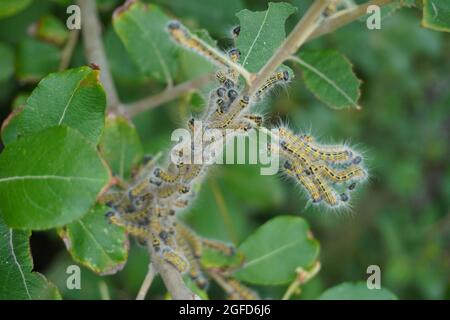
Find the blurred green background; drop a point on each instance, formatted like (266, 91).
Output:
(400, 219)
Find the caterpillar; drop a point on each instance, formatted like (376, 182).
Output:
(194, 241)
(219, 246)
(295, 144)
(281, 76)
(183, 37)
(234, 55)
(135, 216)
(224, 80)
(328, 194)
(231, 115)
(305, 181)
(168, 190)
(138, 189)
(352, 172)
(165, 176)
(175, 259)
(140, 230)
(195, 271)
(238, 291)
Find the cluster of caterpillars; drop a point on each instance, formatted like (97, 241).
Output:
(328, 173)
(148, 208)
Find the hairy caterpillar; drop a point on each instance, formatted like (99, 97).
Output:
(306, 181)
(175, 259)
(301, 145)
(352, 172)
(165, 176)
(239, 291)
(281, 76)
(219, 246)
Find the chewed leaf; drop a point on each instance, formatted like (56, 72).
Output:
(330, 77)
(49, 179)
(275, 250)
(142, 29)
(17, 281)
(436, 15)
(96, 243)
(261, 33)
(74, 97)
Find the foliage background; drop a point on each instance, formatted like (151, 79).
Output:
(400, 219)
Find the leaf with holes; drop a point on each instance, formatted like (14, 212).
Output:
(49, 179)
(74, 97)
(275, 250)
(356, 291)
(330, 77)
(120, 146)
(96, 243)
(261, 34)
(436, 15)
(142, 29)
(17, 281)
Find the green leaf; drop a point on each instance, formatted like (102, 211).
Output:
(120, 146)
(261, 34)
(73, 97)
(96, 243)
(124, 70)
(329, 76)
(250, 187)
(436, 15)
(10, 127)
(11, 7)
(142, 29)
(50, 29)
(17, 281)
(356, 291)
(45, 60)
(6, 62)
(276, 249)
(49, 179)
(215, 259)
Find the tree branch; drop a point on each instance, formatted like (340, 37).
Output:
(94, 51)
(172, 279)
(170, 94)
(147, 282)
(345, 17)
(67, 52)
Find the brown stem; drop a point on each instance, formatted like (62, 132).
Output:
(94, 51)
(345, 17)
(172, 279)
(151, 102)
(67, 52)
(147, 282)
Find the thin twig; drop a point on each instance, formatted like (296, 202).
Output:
(94, 51)
(151, 102)
(303, 276)
(147, 282)
(104, 292)
(172, 279)
(344, 17)
(66, 54)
